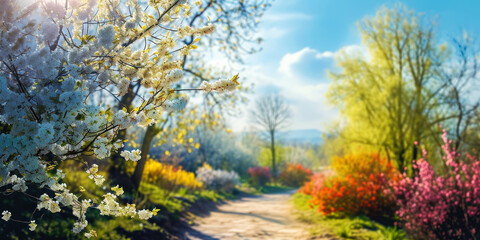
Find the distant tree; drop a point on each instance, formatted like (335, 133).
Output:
(271, 114)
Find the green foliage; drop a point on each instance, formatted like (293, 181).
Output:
(344, 231)
(392, 233)
(77, 179)
(352, 228)
(273, 188)
(307, 155)
(122, 228)
(180, 200)
(265, 156)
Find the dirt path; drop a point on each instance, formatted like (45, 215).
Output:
(269, 216)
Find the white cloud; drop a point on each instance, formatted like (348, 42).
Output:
(306, 65)
(301, 79)
(310, 64)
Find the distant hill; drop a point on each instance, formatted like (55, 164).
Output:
(312, 136)
(301, 136)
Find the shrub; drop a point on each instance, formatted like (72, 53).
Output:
(168, 177)
(356, 195)
(361, 163)
(218, 180)
(314, 185)
(366, 192)
(294, 175)
(442, 206)
(260, 176)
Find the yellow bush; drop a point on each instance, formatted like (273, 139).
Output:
(168, 177)
(363, 163)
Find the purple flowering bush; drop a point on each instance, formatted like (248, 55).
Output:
(442, 206)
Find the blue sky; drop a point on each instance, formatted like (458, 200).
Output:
(301, 38)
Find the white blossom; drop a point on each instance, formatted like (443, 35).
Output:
(32, 225)
(106, 35)
(60, 173)
(220, 85)
(134, 155)
(49, 31)
(175, 105)
(90, 234)
(144, 214)
(6, 215)
(118, 190)
(93, 174)
(123, 86)
(44, 201)
(209, 29)
(103, 77)
(18, 183)
(173, 76)
(79, 226)
(99, 179)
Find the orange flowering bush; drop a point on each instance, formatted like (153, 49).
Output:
(294, 175)
(314, 185)
(356, 190)
(355, 195)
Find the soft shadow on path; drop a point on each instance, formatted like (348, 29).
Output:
(268, 216)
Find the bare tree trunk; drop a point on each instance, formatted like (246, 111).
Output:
(272, 147)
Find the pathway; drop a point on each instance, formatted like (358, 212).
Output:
(268, 216)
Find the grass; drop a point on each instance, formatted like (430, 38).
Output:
(345, 228)
(274, 188)
(178, 201)
(268, 189)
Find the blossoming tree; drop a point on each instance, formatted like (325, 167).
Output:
(56, 59)
(236, 22)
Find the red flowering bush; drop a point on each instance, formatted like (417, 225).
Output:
(442, 206)
(351, 192)
(260, 176)
(294, 175)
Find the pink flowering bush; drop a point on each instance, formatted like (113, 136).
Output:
(442, 206)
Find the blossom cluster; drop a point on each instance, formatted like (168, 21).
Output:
(442, 205)
(56, 58)
(218, 180)
(220, 85)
